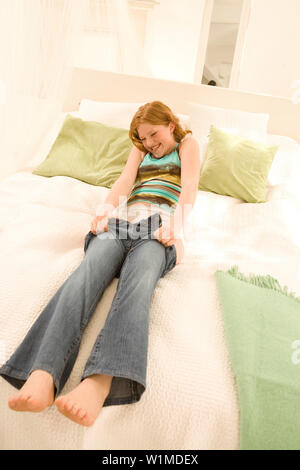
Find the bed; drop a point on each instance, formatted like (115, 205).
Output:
(191, 399)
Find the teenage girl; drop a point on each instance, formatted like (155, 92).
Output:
(139, 242)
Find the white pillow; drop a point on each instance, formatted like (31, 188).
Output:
(115, 114)
(249, 125)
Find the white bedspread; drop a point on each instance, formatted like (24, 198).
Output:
(190, 401)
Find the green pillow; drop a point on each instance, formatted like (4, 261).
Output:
(88, 151)
(235, 166)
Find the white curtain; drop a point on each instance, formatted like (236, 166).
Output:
(38, 47)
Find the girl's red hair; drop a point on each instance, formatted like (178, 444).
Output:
(156, 113)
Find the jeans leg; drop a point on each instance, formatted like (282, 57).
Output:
(121, 347)
(53, 342)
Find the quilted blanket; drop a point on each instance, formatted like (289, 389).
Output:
(191, 399)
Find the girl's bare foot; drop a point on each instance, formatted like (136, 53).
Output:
(84, 403)
(36, 394)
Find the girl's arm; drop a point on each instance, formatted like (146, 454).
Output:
(123, 185)
(190, 174)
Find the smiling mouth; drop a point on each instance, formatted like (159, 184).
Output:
(155, 148)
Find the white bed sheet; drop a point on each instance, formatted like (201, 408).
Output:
(190, 401)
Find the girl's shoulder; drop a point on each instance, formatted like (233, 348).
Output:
(183, 141)
(143, 154)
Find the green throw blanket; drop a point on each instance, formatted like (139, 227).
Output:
(262, 330)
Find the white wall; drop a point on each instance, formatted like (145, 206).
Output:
(96, 51)
(113, 38)
(169, 32)
(172, 38)
(271, 57)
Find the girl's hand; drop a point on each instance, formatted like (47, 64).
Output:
(168, 232)
(179, 245)
(179, 249)
(99, 224)
(165, 235)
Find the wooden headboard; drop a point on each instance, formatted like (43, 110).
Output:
(117, 87)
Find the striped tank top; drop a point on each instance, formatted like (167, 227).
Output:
(158, 181)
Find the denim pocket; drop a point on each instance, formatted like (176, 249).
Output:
(87, 240)
(171, 258)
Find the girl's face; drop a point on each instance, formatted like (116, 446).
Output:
(157, 139)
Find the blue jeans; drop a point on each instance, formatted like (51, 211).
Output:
(127, 251)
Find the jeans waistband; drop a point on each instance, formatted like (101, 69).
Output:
(141, 229)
